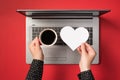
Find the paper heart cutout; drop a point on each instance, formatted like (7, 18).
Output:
(74, 38)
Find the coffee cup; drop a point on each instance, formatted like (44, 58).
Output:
(48, 37)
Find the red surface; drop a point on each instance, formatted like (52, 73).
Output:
(12, 40)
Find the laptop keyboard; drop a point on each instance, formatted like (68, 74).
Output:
(37, 30)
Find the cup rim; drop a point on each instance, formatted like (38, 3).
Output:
(56, 36)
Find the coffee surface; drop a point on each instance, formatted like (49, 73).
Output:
(48, 37)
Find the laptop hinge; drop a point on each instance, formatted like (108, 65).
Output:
(62, 17)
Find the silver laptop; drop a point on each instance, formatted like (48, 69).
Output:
(60, 53)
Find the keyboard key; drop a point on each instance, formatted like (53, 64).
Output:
(36, 31)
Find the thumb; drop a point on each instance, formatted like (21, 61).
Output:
(37, 41)
(88, 47)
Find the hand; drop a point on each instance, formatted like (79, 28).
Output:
(36, 50)
(87, 55)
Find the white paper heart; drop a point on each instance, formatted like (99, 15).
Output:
(74, 38)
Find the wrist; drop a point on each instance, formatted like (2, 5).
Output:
(84, 68)
(38, 58)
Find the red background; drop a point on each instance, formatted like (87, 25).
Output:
(12, 40)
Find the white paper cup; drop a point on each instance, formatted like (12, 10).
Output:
(48, 37)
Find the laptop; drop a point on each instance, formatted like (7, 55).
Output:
(60, 53)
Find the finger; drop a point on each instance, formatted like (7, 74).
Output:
(37, 41)
(89, 48)
(83, 48)
(79, 49)
(32, 43)
(40, 43)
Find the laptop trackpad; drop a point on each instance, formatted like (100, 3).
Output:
(55, 53)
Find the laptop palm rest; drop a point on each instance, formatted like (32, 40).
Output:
(54, 53)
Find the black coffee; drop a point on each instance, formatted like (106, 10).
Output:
(48, 37)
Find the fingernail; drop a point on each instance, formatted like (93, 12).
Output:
(82, 43)
(36, 38)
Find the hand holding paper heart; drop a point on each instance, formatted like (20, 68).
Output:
(74, 38)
